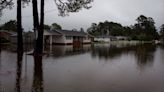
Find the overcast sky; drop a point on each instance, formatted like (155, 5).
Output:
(120, 11)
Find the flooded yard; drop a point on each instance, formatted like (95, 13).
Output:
(89, 68)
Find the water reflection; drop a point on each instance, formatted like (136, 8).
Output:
(145, 54)
(37, 85)
(109, 51)
(83, 69)
(63, 51)
(162, 46)
(19, 71)
(13, 47)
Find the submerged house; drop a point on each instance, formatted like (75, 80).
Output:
(28, 38)
(105, 38)
(122, 38)
(65, 37)
(6, 34)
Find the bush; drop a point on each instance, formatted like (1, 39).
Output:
(3, 40)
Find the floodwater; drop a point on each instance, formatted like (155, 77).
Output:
(89, 68)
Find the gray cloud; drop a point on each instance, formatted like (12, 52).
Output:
(121, 11)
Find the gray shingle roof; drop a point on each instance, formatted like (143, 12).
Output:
(105, 36)
(10, 32)
(53, 32)
(71, 33)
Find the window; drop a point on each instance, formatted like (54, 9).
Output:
(68, 37)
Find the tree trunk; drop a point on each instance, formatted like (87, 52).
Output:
(41, 27)
(35, 15)
(38, 27)
(37, 85)
(19, 71)
(36, 22)
(19, 26)
(19, 45)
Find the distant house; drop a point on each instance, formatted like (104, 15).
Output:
(65, 37)
(122, 38)
(104, 38)
(6, 34)
(28, 37)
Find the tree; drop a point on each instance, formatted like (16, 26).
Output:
(162, 32)
(37, 26)
(146, 28)
(56, 26)
(10, 26)
(19, 26)
(47, 27)
(66, 6)
(106, 28)
(81, 30)
(5, 4)
(93, 29)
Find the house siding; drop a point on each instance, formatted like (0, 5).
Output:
(61, 40)
(28, 38)
(87, 40)
(64, 39)
(68, 41)
(102, 39)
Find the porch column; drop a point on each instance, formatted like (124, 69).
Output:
(50, 39)
(43, 42)
(50, 49)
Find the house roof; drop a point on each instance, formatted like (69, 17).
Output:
(105, 36)
(67, 33)
(52, 32)
(24, 34)
(72, 33)
(9, 32)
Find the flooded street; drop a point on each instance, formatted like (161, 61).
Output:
(89, 68)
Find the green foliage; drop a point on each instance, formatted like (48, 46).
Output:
(56, 26)
(66, 6)
(93, 29)
(106, 28)
(47, 27)
(3, 40)
(10, 26)
(144, 29)
(162, 32)
(5, 4)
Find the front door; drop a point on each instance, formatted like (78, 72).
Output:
(77, 41)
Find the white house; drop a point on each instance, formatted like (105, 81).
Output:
(65, 37)
(28, 37)
(122, 37)
(104, 38)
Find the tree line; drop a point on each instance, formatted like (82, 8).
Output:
(137, 31)
(144, 29)
(11, 25)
